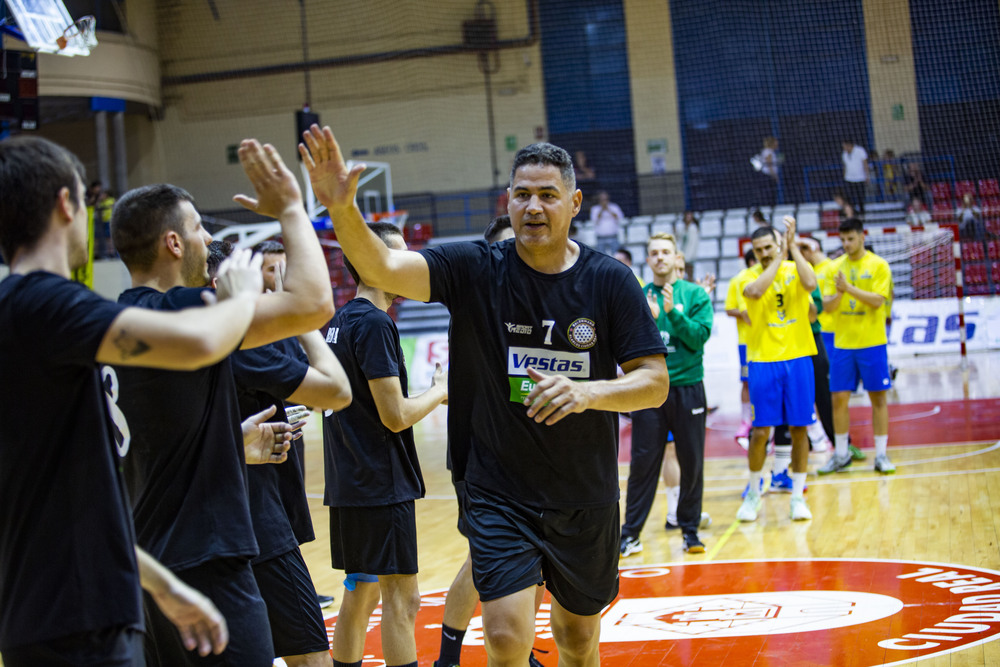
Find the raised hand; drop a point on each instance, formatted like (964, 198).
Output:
(276, 188)
(789, 231)
(333, 183)
(239, 273)
(654, 306)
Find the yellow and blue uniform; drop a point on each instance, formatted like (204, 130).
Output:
(825, 318)
(779, 346)
(735, 301)
(860, 340)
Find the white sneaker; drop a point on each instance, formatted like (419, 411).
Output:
(799, 509)
(706, 521)
(821, 445)
(884, 465)
(751, 505)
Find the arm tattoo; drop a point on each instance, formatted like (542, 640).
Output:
(130, 346)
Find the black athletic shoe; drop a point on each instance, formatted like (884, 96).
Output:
(533, 661)
(692, 544)
(324, 600)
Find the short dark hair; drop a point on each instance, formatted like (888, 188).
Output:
(852, 225)
(140, 217)
(269, 247)
(764, 230)
(217, 251)
(758, 215)
(625, 251)
(497, 225)
(546, 154)
(33, 171)
(749, 257)
(383, 230)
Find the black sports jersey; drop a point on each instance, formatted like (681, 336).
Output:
(184, 467)
(366, 464)
(507, 317)
(67, 548)
(265, 376)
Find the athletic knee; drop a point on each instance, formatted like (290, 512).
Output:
(576, 640)
(506, 642)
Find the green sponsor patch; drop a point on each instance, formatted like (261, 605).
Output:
(520, 387)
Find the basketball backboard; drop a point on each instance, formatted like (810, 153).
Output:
(46, 24)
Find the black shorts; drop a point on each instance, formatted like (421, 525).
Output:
(460, 494)
(292, 608)
(374, 540)
(229, 583)
(575, 552)
(114, 647)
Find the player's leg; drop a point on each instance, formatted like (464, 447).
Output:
(799, 411)
(356, 606)
(821, 377)
(875, 376)
(671, 481)
(687, 419)
(743, 432)
(509, 627)
(765, 398)
(459, 607)
(649, 433)
(400, 604)
(578, 637)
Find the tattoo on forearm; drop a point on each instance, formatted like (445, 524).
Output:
(129, 346)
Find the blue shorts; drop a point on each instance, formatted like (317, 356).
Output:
(782, 392)
(869, 364)
(744, 370)
(828, 337)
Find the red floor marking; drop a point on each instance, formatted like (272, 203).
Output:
(971, 420)
(781, 612)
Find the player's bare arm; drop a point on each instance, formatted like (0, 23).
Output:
(325, 385)
(401, 272)
(644, 384)
(190, 338)
(399, 412)
(200, 624)
(306, 302)
(868, 298)
(805, 270)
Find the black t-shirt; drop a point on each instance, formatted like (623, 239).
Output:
(505, 317)
(265, 376)
(184, 466)
(67, 548)
(366, 464)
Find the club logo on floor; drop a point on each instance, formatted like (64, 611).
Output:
(823, 611)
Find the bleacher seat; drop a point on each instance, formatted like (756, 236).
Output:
(708, 248)
(830, 243)
(963, 188)
(730, 246)
(702, 267)
(807, 221)
(942, 212)
(941, 191)
(990, 206)
(993, 226)
(711, 227)
(830, 220)
(667, 218)
(989, 187)
(972, 250)
(714, 213)
(993, 249)
(730, 267)
(586, 235)
(782, 210)
(641, 220)
(808, 206)
(734, 225)
(663, 224)
(638, 251)
(995, 273)
(737, 212)
(636, 232)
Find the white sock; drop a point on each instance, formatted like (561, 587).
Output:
(881, 444)
(782, 458)
(745, 412)
(673, 496)
(755, 480)
(798, 483)
(816, 432)
(840, 444)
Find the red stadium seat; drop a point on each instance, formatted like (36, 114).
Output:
(991, 206)
(941, 191)
(975, 274)
(922, 276)
(993, 249)
(995, 273)
(993, 226)
(964, 187)
(830, 220)
(972, 251)
(942, 211)
(946, 276)
(989, 187)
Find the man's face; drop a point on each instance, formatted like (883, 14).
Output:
(765, 249)
(541, 207)
(273, 262)
(661, 257)
(853, 242)
(194, 262)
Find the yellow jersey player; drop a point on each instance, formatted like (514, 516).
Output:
(856, 289)
(736, 309)
(779, 347)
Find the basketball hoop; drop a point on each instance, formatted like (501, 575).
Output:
(81, 35)
(397, 218)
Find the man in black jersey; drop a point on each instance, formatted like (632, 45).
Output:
(186, 468)
(373, 475)
(267, 376)
(70, 570)
(539, 325)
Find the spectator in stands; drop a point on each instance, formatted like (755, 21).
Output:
(624, 255)
(914, 184)
(916, 214)
(584, 172)
(688, 237)
(855, 159)
(607, 218)
(890, 173)
(846, 210)
(758, 219)
(970, 218)
(766, 165)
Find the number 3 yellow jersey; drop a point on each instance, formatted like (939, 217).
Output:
(779, 328)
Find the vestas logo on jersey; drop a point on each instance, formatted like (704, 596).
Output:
(570, 364)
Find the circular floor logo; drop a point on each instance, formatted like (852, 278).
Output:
(820, 611)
